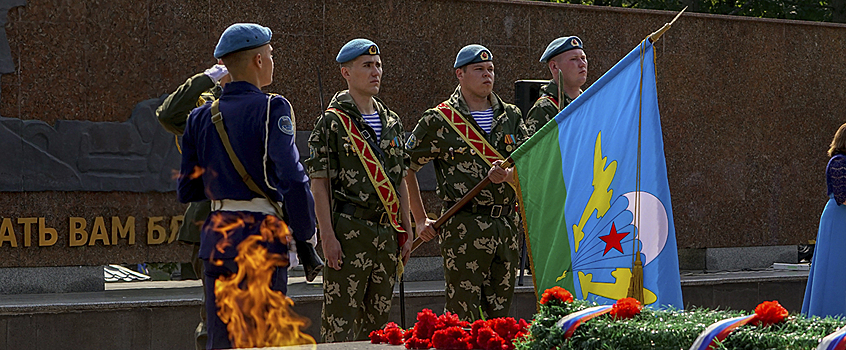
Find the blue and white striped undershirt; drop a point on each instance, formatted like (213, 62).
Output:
(374, 122)
(484, 119)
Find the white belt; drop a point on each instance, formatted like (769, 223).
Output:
(260, 205)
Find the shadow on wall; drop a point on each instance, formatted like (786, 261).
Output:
(137, 155)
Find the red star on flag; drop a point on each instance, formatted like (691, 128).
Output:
(612, 240)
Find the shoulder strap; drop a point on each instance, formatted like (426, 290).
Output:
(552, 100)
(217, 119)
(470, 135)
(374, 170)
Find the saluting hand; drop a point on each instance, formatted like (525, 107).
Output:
(332, 250)
(499, 175)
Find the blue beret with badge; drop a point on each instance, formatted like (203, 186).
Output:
(472, 54)
(240, 37)
(355, 48)
(557, 46)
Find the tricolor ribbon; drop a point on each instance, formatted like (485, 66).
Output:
(572, 321)
(717, 332)
(834, 341)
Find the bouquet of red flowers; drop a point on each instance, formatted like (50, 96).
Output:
(448, 332)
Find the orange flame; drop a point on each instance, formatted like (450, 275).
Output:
(255, 315)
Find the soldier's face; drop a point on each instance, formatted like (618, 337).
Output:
(477, 78)
(364, 74)
(573, 65)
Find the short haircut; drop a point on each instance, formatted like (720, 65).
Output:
(239, 60)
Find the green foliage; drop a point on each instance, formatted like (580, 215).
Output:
(809, 10)
(670, 330)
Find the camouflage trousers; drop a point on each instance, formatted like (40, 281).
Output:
(357, 298)
(481, 257)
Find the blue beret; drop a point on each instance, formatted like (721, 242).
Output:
(355, 48)
(560, 45)
(240, 37)
(472, 54)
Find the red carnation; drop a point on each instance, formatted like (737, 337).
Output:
(769, 312)
(449, 319)
(408, 334)
(417, 343)
(474, 328)
(625, 308)
(393, 336)
(425, 327)
(377, 336)
(524, 326)
(451, 338)
(556, 293)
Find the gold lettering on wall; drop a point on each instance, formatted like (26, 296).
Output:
(156, 234)
(7, 233)
(78, 236)
(121, 231)
(44, 232)
(27, 222)
(175, 222)
(159, 231)
(98, 232)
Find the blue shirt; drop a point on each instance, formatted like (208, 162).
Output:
(484, 119)
(374, 122)
(268, 153)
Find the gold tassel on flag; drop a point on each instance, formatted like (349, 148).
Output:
(636, 283)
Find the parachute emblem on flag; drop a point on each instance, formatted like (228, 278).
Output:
(612, 225)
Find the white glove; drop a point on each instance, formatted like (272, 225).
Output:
(216, 72)
(293, 261)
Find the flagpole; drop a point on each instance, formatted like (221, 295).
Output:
(636, 282)
(657, 34)
(462, 202)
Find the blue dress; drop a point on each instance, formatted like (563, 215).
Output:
(825, 294)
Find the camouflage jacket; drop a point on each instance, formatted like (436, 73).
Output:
(349, 179)
(195, 92)
(456, 169)
(544, 110)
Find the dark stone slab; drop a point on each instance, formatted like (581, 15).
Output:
(750, 257)
(692, 259)
(40, 280)
(136, 155)
(167, 312)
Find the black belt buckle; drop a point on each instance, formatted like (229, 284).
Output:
(496, 211)
(384, 219)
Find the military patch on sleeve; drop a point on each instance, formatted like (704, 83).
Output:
(285, 125)
(311, 152)
(411, 142)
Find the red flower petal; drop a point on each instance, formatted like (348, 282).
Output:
(376, 337)
(556, 294)
(625, 308)
(769, 312)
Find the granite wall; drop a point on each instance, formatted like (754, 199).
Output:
(747, 104)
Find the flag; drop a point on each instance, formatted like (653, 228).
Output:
(580, 191)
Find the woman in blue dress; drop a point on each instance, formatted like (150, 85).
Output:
(825, 294)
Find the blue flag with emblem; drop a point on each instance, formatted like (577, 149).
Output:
(595, 194)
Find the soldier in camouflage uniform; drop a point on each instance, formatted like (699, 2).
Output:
(361, 248)
(567, 55)
(172, 114)
(479, 244)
